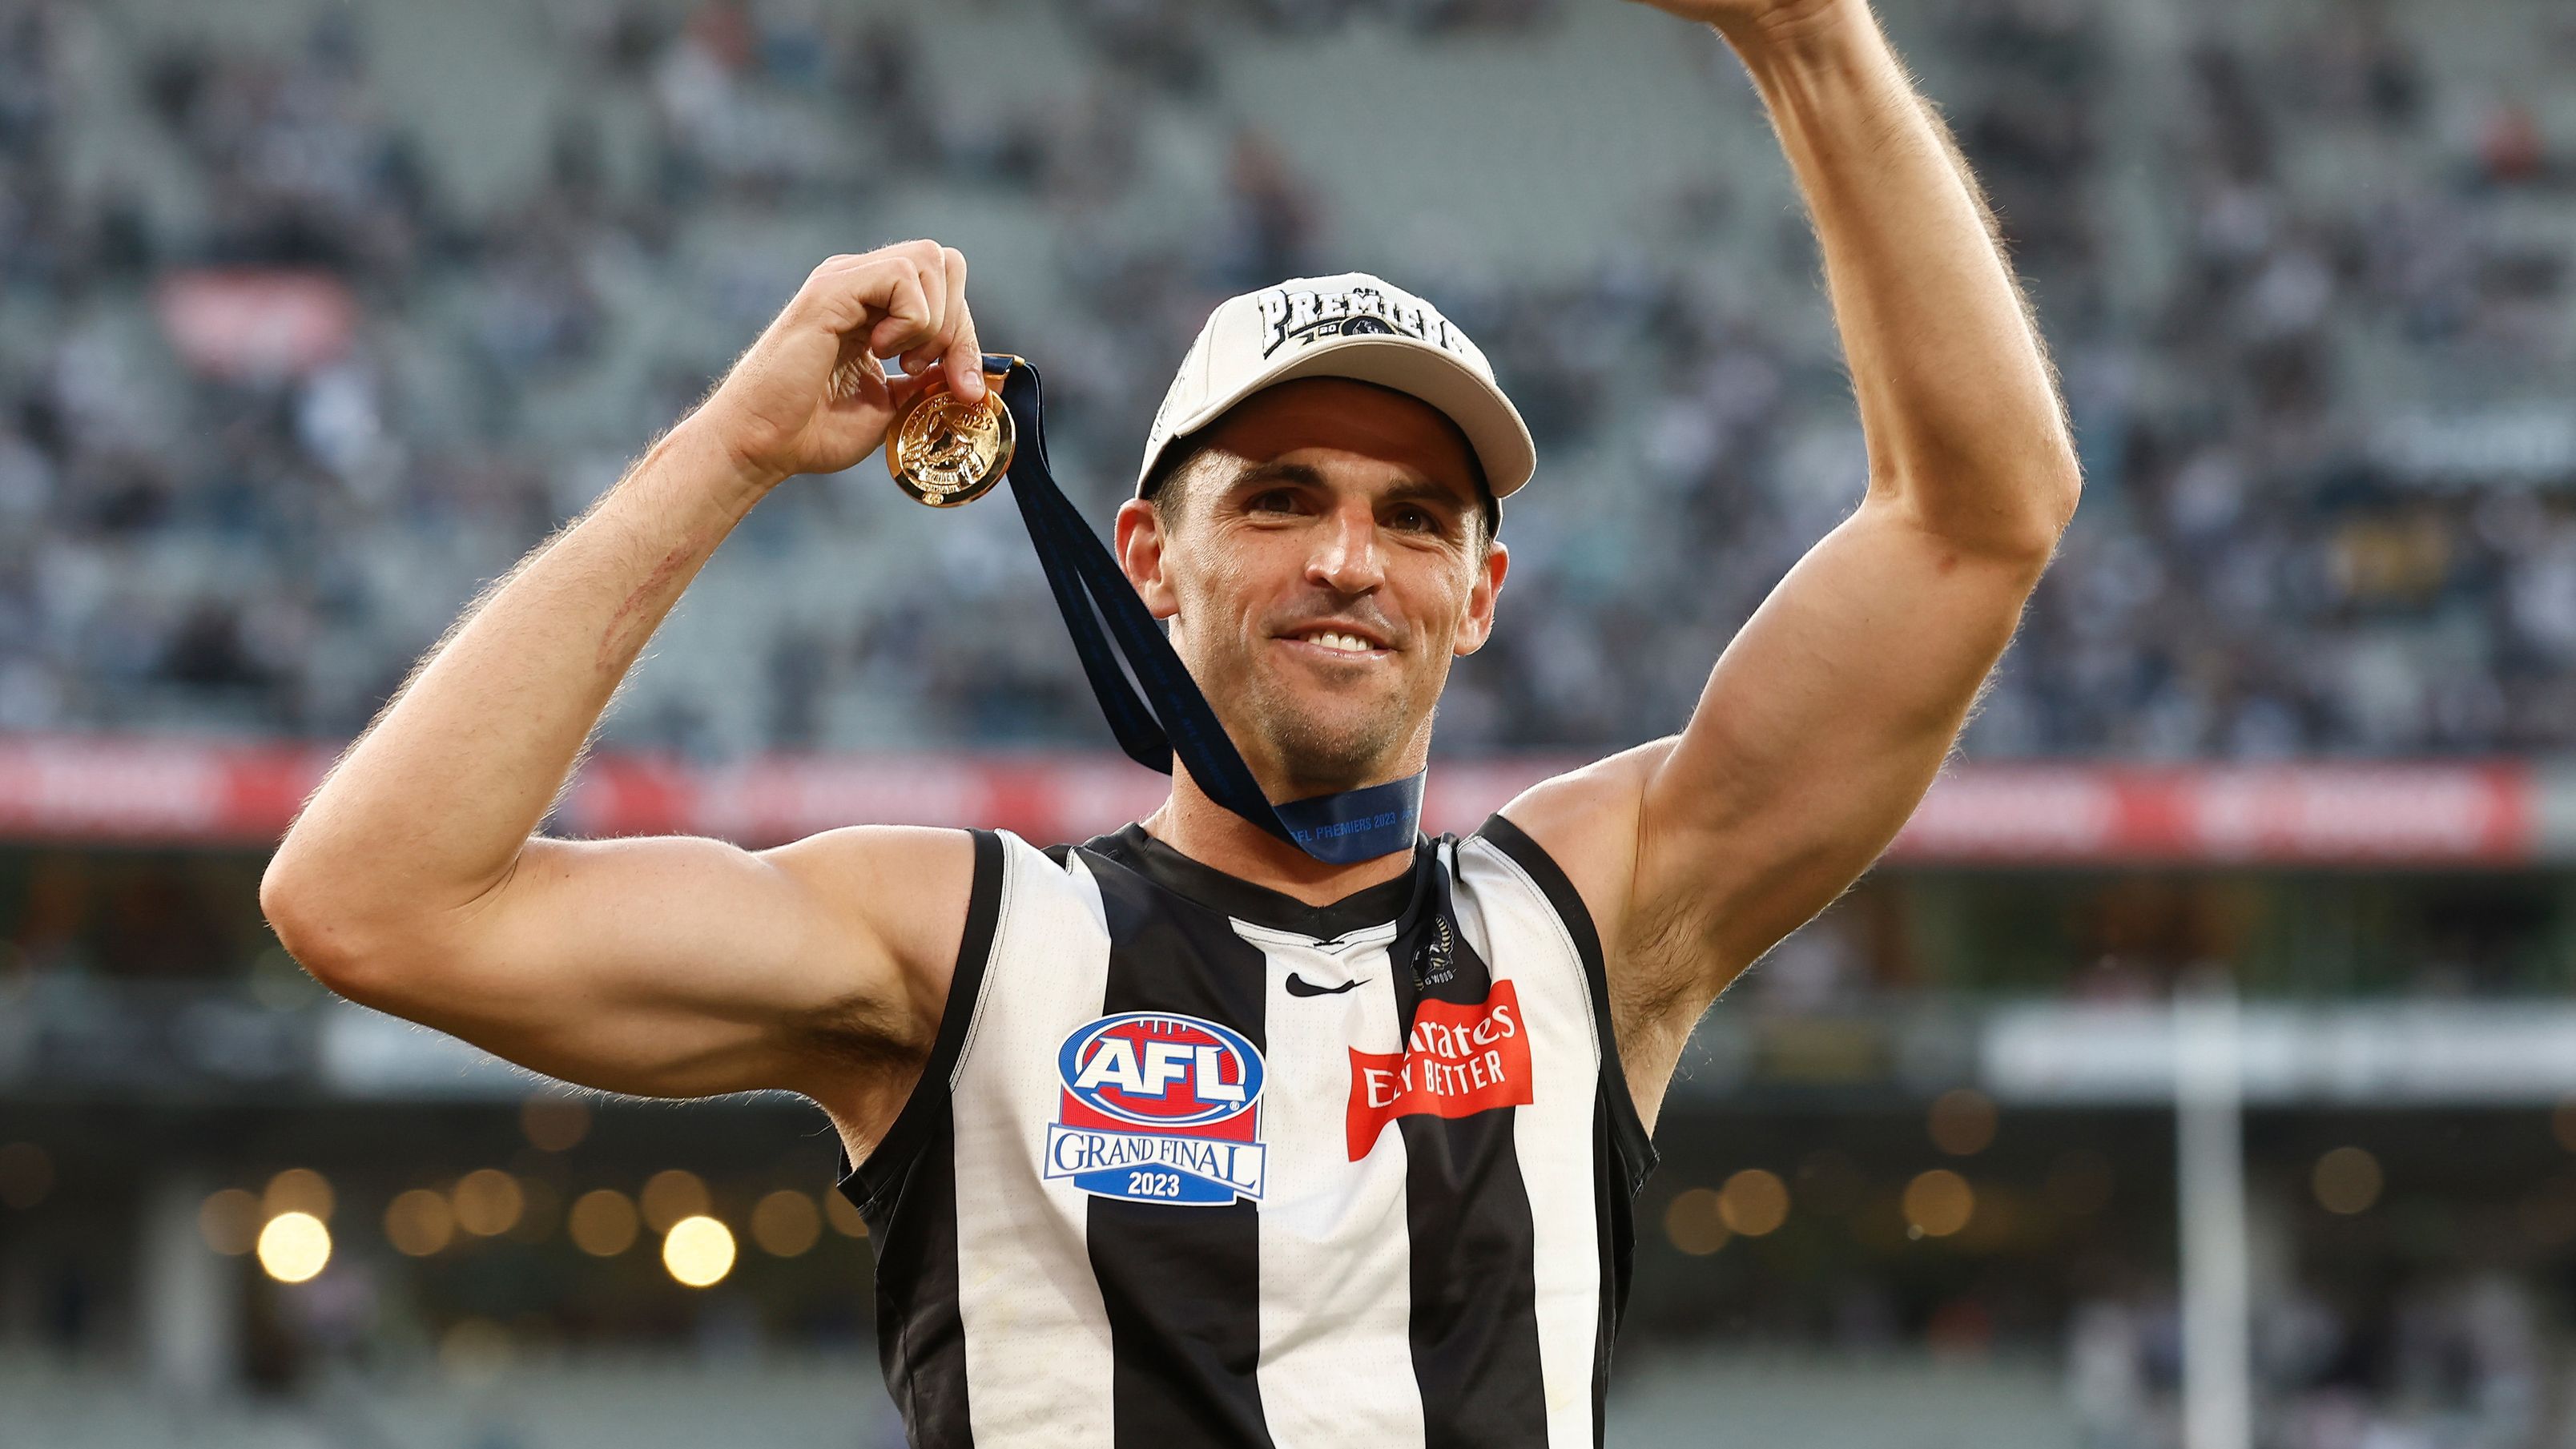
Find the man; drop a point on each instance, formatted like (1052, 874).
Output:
(1185, 1136)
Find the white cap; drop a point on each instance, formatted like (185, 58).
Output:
(1355, 326)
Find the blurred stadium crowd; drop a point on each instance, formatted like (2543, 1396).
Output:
(2312, 311)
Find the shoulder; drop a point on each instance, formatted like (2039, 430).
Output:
(1588, 821)
(1577, 838)
(1594, 824)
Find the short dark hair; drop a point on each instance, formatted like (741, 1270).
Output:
(1181, 452)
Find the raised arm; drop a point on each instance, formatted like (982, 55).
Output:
(413, 880)
(1826, 719)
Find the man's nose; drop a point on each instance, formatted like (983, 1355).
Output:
(1346, 558)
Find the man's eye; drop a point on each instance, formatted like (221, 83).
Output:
(1277, 500)
(1415, 519)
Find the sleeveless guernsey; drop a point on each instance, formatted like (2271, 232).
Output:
(1196, 1164)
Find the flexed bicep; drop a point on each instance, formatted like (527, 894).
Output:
(1820, 729)
(681, 966)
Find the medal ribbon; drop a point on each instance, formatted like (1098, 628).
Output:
(1092, 592)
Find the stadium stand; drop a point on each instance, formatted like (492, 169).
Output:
(2304, 274)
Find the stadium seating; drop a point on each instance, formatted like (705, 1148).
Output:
(2297, 264)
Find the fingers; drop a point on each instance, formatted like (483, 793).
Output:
(914, 305)
(908, 301)
(941, 348)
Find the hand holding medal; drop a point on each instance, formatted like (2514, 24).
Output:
(812, 396)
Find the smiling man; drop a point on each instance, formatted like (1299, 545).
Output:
(1188, 1135)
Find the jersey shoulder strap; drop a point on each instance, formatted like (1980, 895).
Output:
(871, 1185)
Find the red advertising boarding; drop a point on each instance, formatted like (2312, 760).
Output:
(141, 789)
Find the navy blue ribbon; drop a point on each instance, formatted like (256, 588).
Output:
(1091, 591)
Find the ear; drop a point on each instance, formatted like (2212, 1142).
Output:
(1139, 538)
(1478, 625)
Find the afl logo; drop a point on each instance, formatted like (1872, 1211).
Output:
(1160, 1071)
(1159, 1108)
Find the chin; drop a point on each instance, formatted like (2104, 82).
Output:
(1335, 749)
(1320, 740)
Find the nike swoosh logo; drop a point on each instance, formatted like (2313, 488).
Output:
(1300, 986)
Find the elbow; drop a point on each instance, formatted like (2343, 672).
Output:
(2032, 503)
(362, 928)
(2002, 494)
(328, 942)
(2050, 494)
(2015, 515)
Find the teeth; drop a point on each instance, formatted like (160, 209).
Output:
(1345, 643)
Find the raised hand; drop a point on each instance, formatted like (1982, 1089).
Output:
(811, 396)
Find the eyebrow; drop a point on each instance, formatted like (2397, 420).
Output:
(1415, 487)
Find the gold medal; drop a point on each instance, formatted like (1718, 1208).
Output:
(944, 450)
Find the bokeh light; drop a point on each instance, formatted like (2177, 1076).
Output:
(229, 1221)
(603, 1223)
(294, 1247)
(786, 1224)
(298, 1190)
(2347, 1181)
(26, 1175)
(1962, 1122)
(419, 1223)
(1939, 1203)
(488, 1202)
(554, 1124)
(1695, 1223)
(1753, 1202)
(698, 1251)
(671, 1195)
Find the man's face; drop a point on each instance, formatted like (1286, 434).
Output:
(1323, 562)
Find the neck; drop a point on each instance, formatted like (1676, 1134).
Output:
(1216, 837)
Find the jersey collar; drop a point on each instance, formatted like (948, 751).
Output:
(1398, 900)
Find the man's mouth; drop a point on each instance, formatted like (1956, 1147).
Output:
(1333, 639)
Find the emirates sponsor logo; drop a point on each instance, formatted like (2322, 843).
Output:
(1462, 1058)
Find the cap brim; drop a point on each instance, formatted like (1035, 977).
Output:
(1492, 425)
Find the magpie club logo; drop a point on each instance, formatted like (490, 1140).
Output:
(1160, 1108)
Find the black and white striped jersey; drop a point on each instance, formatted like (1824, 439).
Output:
(1196, 1164)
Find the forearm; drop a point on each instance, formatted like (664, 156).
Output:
(1961, 409)
(432, 805)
